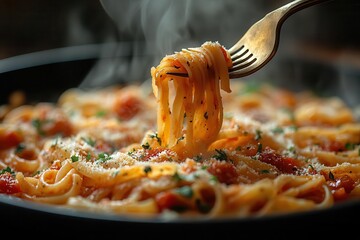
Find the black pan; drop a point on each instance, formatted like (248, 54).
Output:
(44, 76)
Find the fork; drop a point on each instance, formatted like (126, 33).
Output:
(260, 43)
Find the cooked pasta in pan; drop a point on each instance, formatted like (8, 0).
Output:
(199, 146)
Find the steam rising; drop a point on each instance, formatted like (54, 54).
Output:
(150, 29)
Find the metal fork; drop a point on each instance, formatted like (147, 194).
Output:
(260, 43)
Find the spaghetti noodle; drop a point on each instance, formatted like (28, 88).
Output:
(196, 102)
(251, 152)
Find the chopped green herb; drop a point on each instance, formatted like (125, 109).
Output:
(277, 130)
(185, 191)
(88, 156)
(264, 171)
(100, 113)
(89, 141)
(38, 124)
(331, 176)
(177, 177)
(20, 148)
(311, 166)
(258, 134)
(214, 179)
(74, 158)
(146, 145)
(103, 157)
(221, 155)
(260, 146)
(157, 138)
(350, 146)
(198, 158)
(292, 149)
(204, 167)
(147, 169)
(7, 170)
(131, 152)
(238, 148)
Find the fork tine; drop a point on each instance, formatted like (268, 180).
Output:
(243, 65)
(241, 60)
(236, 48)
(238, 54)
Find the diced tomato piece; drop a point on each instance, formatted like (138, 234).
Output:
(51, 121)
(127, 106)
(150, 153)
(333, 146)
(224, 171)
(340, 194)
(8, 184)
(58, 126)
(168, 200)
(10, 139)
(283, 163)
(341, 186)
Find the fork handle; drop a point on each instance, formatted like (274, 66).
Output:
(293, 7)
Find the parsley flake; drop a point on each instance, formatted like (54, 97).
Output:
(74, 158)
(350, 146)
(221, 155)
(89, 141)
(38, 125)
(277, 130)
(103, 157)
(258, 134)
(100, 113)
(198, 158)
(157, 138)
(7, 170)
(146, 146)
(147, 169)
(185, 191)
(20, 148)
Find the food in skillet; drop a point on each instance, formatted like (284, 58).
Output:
(193, 147)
